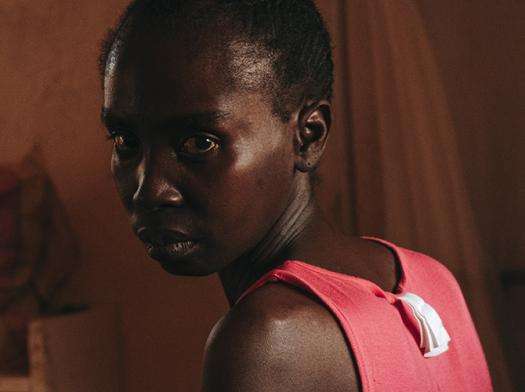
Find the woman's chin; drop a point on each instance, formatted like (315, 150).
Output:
(186, 268)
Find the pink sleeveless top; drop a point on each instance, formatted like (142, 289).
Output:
(420, 338)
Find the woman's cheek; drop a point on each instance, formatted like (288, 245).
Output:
(259, 184)
(123, 178)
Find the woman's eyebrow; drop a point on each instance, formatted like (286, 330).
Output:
(108, 118)
(196, 118)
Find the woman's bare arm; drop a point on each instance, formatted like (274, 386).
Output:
(278, 339)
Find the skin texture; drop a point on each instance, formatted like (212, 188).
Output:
(200, 156)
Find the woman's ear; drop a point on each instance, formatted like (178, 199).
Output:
(313, 126)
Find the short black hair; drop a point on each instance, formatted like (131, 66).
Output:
(291, 31)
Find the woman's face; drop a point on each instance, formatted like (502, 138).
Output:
(203, 167)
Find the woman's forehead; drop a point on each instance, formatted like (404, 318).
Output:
(153, 72)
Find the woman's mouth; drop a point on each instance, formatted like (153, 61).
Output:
(170, 250)
(162, 244)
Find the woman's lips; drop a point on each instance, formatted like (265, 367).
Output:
(161, 236)
(171, 250)
(166, 243)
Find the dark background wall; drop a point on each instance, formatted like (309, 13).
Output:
(480, 49)
(50, 95)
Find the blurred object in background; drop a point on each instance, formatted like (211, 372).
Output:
(75, 353)
(38, 253)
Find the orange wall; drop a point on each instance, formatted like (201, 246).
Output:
(480, 50)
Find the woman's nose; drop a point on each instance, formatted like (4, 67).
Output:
(155, 186)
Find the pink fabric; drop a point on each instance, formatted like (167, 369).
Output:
(382, 331)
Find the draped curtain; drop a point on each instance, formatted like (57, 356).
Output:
(394, 148)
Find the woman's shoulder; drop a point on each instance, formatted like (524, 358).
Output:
(258, 343)
(427, 268)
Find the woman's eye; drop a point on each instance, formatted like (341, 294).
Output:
(198, 145)
(125, 145)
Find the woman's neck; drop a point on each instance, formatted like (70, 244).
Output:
(279, 244)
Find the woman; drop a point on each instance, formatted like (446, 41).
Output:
(220, 113)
